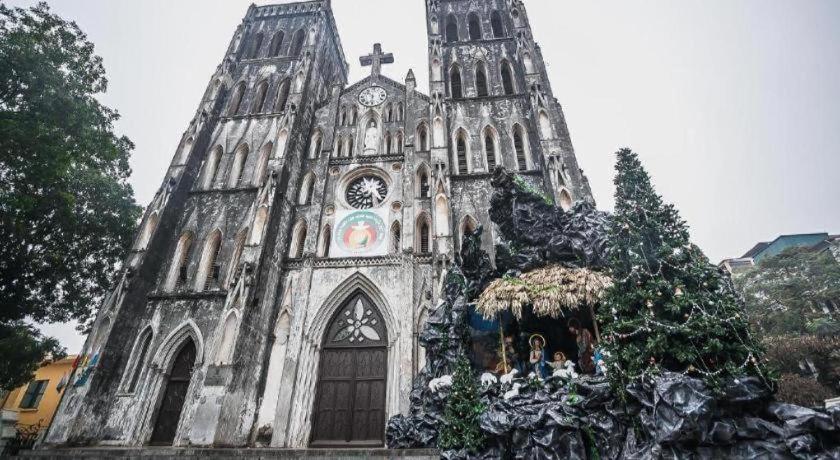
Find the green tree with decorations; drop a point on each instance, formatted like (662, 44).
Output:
(669, 309)
(461, 429)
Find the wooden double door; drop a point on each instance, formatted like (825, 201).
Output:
(174, 396)
(350, 396)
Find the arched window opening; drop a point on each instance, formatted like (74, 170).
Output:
(209, 270)
(400, 112)
(565, 200)
(461, 153)
(141, 352)
(515, 15)
(236, 100)
(451, 29)
(238, 166)
(423, 236)
(255, 50)
(306, 187)
(519, 148)
(437, 74)
(226, 344)
(490, 149)
(299, 81)
(259, 225)
(185, 151)
(259, 97)
(442, 216)
(276, 44)
(355, 116)
(211, 167)
(455, 88)
(423, 138)
(261, 170)
(326, 240)
(298, 240)
(148, 231)
(282, 140)
(177, 277)
(423, 183)
(474, 27)
(398, 141)
(507, 78)
(343, 117)
(388, 113)
(396, 235)
(282, 96)
(297, 43)
(496, 24)
(387, 143)
(545, 125)
(481, 88)
(315, 149)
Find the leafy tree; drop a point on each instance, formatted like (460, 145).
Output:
(461, 428)
(67, 212)
(669, 308)
(806, 356)
(793, 292)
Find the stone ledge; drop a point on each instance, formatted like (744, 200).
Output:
(238, 453)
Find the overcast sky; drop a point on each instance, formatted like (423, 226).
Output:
(733, 105)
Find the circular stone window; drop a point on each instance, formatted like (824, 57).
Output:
(365, 192)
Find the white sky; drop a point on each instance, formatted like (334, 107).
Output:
(733, 105)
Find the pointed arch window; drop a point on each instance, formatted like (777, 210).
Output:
(442, 216)
(400, 112)
(260, 171)
(545, 125)
(396, 236)
(438, 138)
(565, 200)
(519, 148)
(209, 270)
(490, 148)
(387, 143)
(423, 137)
(350, 144)
(451, 29)
(423, 235)
(276, 44)
(496, 24)
(177, 276)
(306, 187)
(259, 225)
(507, 78)
(398, 143)
(481, 88)
(298, 240)
(282, 95)
(326, 241)
(455, 88)
(255, 49)
(315, 149)
(354, 118)
(282, 140)
(343, 117)
(461, 153)
(297, 43)
(141, 351)
(239, 160)
(211, 167)
(528, 62)
(236, 99)
(259, 97)
(423, 182)
(148, 231)
(474, 26)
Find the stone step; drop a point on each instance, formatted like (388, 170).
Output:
(226, 453)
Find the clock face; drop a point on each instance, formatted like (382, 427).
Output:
(366, 192)
(373, 96)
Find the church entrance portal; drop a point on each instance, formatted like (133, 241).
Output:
(174, 395)
(350, 397)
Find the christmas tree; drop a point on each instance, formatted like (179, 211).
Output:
(463, 408)
(669, 309)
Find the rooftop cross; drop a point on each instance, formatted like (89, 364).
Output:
(376, 59)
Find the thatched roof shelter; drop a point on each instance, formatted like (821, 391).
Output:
(551, 291)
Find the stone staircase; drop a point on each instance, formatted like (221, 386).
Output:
(147, 453)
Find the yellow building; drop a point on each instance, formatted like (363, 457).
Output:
(37, 401)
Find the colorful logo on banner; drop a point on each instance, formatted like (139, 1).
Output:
(360, 233)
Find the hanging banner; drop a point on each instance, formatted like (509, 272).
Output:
(360, 233)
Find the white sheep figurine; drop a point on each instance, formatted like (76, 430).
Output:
(440, 383)
(487, 379)
(567, 372)
(507, 378)
(513, 391)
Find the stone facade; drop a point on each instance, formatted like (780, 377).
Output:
(243, 250)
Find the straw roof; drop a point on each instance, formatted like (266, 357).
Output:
(549, 290)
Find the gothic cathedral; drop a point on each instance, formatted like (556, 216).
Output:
(282, 272)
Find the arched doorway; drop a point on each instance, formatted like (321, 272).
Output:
(350, 396)
(174, 395)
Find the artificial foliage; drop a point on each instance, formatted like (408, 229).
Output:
(669, 308)
(461, 430)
